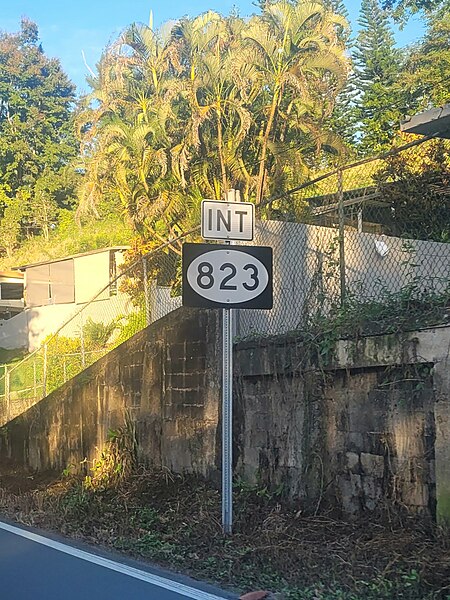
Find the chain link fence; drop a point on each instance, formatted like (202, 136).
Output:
(366, 244)
(145, 290)
(369, 235)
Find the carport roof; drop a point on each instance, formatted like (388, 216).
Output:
(435, 121)
(11, 274)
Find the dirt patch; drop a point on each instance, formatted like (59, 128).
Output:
(15, 482)
(175, 521)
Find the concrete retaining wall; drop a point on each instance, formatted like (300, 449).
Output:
(372, 426)
(165, 376)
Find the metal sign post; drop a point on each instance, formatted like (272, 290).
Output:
(227, 392)
(227, 421)
(226, 276)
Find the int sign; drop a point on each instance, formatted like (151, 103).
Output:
(227, 220)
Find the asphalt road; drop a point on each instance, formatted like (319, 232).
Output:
(35, 567)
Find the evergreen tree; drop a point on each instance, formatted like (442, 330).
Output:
(427, 72)
(36, 132)
(344, 119)
(378, 64)
(401, 10)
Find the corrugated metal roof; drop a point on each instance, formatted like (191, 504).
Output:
(430, 122)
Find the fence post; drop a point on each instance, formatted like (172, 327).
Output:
(341, 237)
(360, 220)
(7, 393)
(44, 374)
(34, 379)
(83, 354)
(146, 296)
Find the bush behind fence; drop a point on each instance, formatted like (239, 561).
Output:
(370, 237)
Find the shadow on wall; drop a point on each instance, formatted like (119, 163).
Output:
(14, 332)
(29, 328)
(165, 377)
(46, 320)
(67, 429)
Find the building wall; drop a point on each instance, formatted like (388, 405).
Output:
(91, 275)
(50, 284)
(373, 426)
(306, 271)
(14, 332)
(30, 328)
(71, 280)
(45, 320)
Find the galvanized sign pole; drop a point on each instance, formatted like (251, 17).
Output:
(227, 408)
(227, 420)
(222, 276)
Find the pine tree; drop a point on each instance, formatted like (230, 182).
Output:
(37, 138)
(401, 10)
(427, 71)
(344, 118)
(378, 64)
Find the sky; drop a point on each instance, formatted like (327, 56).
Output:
(70, 27)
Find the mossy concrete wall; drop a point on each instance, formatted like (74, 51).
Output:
(164, 376)
(372, 425)
(415, 351)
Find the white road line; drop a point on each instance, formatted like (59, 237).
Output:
(167, 584)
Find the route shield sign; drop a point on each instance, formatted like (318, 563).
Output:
(222, 276)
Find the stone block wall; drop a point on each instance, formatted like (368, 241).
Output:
(371, 426)
(380, 439)
(366, 429)
(165, 377)
(278, 422)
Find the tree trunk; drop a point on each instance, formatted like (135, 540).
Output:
(220, 147)
(262, 164)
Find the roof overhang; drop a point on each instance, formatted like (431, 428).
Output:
(4, 275)
(56, 260)
(434, 122)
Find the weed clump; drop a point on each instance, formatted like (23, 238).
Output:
(174, 520)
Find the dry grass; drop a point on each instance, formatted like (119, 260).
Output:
(175, 521)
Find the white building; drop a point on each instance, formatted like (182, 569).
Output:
(54, 290)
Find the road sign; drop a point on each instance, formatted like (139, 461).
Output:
(223, 276)
(228, 220)
(227, 277)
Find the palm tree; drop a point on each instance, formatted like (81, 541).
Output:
(295, 48)
(126, 132)
(218, 122)
(210, 103)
